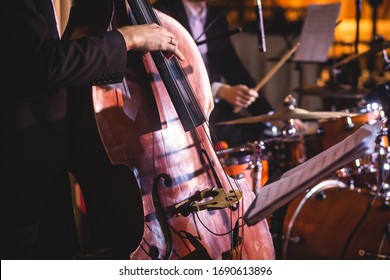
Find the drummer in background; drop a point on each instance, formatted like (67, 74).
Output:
(223, 64)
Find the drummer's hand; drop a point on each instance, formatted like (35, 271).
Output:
(237, 96)
(150, 37)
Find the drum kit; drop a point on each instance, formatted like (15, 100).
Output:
(346, 216)
(286, 146)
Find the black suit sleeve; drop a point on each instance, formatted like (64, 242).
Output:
(34, 51)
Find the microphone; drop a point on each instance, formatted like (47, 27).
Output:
(260, 26)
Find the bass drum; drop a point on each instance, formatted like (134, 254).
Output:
(333, 221)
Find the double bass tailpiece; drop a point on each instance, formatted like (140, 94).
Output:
(218, 199)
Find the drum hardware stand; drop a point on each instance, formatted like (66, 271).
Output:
(382, 168)
(276, 228)
(363, 253)
(289, 130)
(256, 165)
(386, 235)
(374, 5)
(276, 219)
(299, 69)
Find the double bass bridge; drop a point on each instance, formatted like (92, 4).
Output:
(208, 199)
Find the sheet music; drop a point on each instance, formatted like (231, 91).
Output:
(317, 32)
(273, 196)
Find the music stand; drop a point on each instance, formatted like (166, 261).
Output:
(316, 37)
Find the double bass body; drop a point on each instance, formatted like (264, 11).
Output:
(191, 208)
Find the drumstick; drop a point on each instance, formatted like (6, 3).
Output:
(271, 72)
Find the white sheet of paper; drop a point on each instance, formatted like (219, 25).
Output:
(317, 32)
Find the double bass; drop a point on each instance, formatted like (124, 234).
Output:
(155, 123)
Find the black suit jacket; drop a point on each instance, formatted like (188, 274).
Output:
(37, 67)
(223, 64)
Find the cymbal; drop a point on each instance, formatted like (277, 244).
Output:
(286, 114)
(336, 91)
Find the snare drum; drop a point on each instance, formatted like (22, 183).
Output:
(289, 152)
(240, 162)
